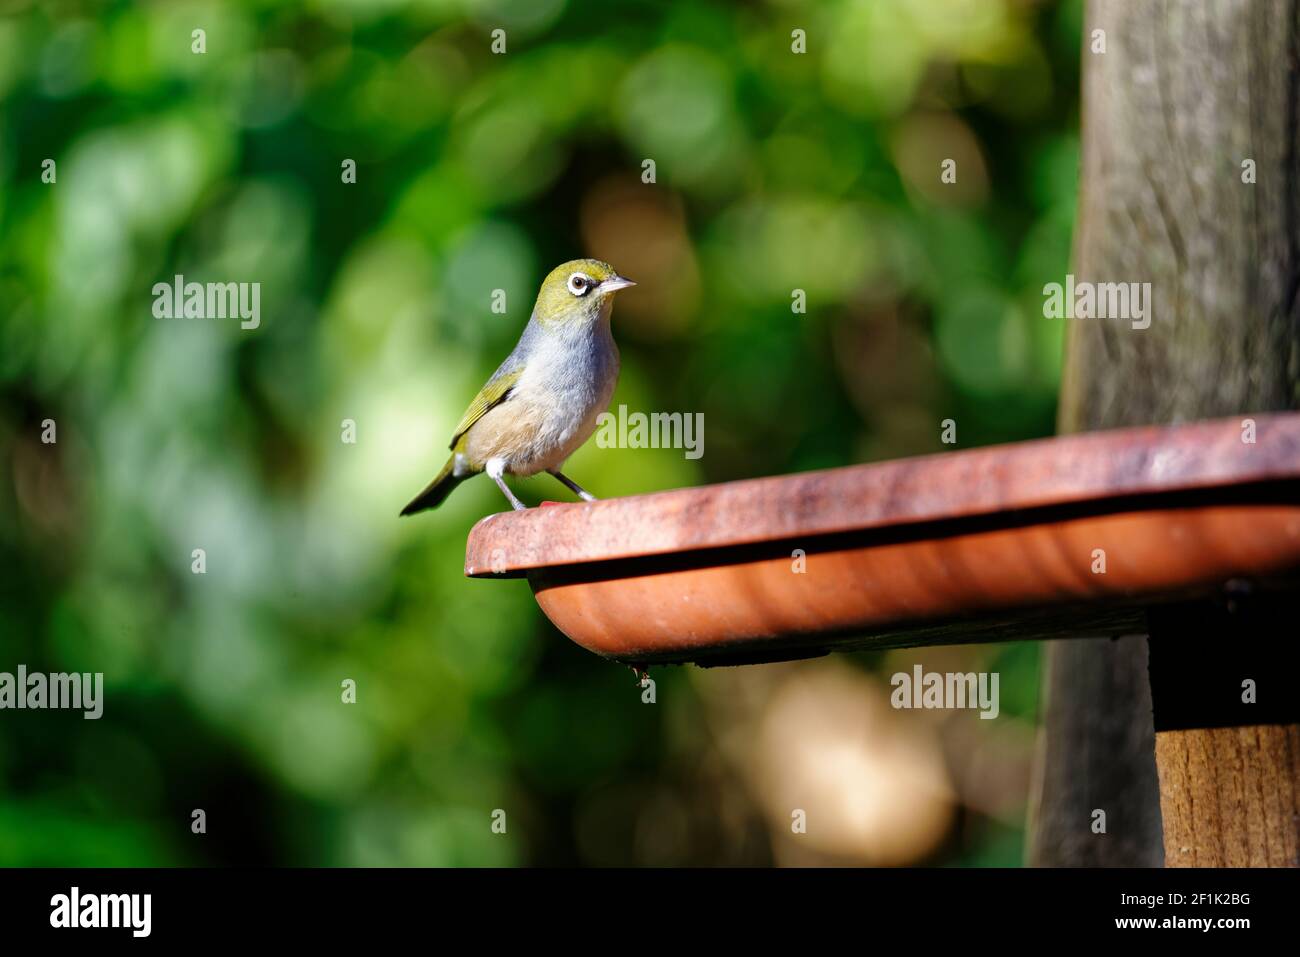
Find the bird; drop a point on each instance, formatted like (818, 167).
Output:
(544, 400)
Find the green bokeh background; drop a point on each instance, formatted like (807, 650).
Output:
(774, 171)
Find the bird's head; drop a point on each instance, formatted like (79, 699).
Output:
(577, 292)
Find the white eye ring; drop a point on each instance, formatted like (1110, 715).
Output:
(579, 283)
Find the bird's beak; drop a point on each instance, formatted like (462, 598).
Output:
(615, 283)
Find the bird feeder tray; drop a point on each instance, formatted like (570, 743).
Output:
(1071, 536)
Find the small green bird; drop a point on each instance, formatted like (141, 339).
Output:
(543, 401)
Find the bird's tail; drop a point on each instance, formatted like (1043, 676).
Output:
(436, 491)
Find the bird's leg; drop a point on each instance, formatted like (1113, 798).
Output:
(495, 469)
(581, 492)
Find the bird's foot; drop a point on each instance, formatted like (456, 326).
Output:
(577, 489)
(495, 470)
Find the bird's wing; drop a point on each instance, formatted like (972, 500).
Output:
(496, 391)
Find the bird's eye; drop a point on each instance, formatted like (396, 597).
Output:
(579, 284)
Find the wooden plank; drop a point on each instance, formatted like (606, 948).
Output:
(991, 584)
(1094, 472)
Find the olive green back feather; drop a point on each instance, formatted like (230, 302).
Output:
(489, 397)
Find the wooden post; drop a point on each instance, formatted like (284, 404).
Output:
(1191, 182)
(1227, 742)
(1096, 753)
